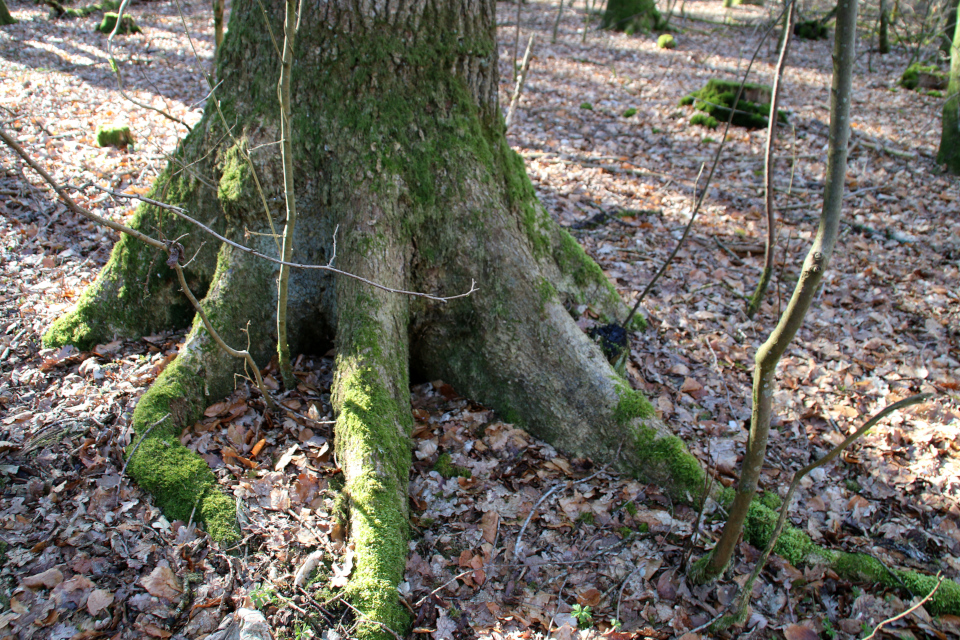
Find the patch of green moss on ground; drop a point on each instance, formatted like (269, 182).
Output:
(912, 75)
(716, 99)
(811, 30)
(666, 41)
(445, 467)
(793, 545)
(704, 120)
(632, 16)
(118, 136)
(127, 24)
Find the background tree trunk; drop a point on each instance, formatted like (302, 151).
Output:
(5, 17)
(949, 153)
(883, 35)
(398, 142)
(950, 25)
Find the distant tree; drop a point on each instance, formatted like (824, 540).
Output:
(5, 17)
(950, 137)
(883, 37)
(632, 16)
(950, 25)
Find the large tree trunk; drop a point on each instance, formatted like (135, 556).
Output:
(5, 17)
(398, 143)
(949, 153)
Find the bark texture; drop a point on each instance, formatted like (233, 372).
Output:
(397, 142)
(949, 153)
(5, 17)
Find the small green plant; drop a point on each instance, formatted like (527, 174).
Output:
(114, 136)
(655, 130)
(587, 517)
(262, 596)
(447, 469)
(583, 615)
(704, 120)
(828, 629)
(616, 624)
(625, 531)
(643, 527)
(707, 140)
(666, 41)
(586, 105)
(631, 508)
(629, 112)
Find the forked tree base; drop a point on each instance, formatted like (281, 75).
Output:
(406, 164)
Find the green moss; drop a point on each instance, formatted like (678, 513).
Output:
(631, 405)
(716, 100)
(445, 467)
(632, 16)
(587, 106)
(625, 532)
(726, 496)
(127, 24)
(925, 76)
(661, 458)
(811, 30)
(114, 136)
(793, 545)
(574, 262)
(704, 120)
(180, 481)
(631, 508)
(666, 41)
(587, 517)
(629, 113)
(643, 527)
(83, 12)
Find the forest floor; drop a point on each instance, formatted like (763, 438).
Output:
(86, 554)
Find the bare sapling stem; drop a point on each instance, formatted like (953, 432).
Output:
(817, 260)
(218, 23)
(516, 44)
(740, 611)
(556, 23)
(706, 187)
(768, 255)
(520, 80)
(290, 25)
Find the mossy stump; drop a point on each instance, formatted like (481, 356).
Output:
(127, 24)
(118, 136)
(811, 30)
(401, 160)
(666, 41)
(632, 16)
(716, 101)
(920, 76)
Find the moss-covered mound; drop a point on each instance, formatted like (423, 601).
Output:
(716, 101)
(59, 11)
(811, 30)
(127, 24)
(796, 547)
(924, 77)
(632, 16)
(666, 41)
(114, 136)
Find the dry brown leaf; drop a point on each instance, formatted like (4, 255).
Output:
(47, 579)
(162, 583)
(800, 632)
(98, 600)
(489, 524)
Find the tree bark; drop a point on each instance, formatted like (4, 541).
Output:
(950, 9)
(5, 17)
(398, 143)
(949, 153)
(883, 34)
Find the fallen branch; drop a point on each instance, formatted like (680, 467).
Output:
(524, 67)
(908, 611)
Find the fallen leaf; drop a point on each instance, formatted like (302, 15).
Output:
(800, 632)
(49, 579)
(99, 600)
(162, 583)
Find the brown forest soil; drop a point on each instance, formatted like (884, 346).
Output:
(86, 552)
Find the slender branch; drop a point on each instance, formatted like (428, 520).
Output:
(556, 24)
(290, 25)
(818, 258)
(524, 67)
(908, 611)
(747, 590)
(706, 186)
(181, 213)
(516, 43)
(771, 239)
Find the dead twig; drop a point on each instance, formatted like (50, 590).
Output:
(908, 611)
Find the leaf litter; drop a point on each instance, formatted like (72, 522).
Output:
(86, 554)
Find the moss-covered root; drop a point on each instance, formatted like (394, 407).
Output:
(371, 397)
(796, 547)
(136, 294)
(180, 481)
